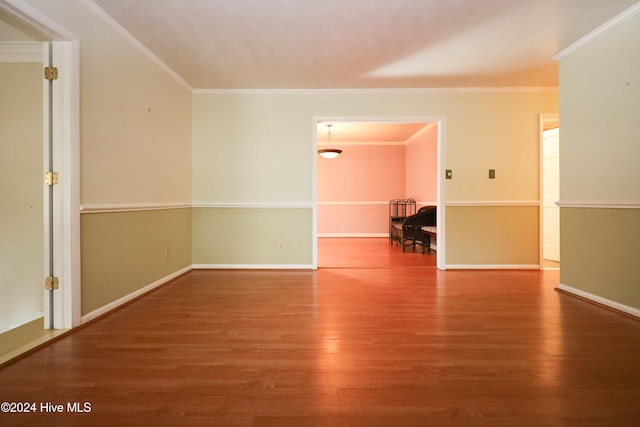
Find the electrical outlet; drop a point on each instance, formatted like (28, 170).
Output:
(281, 245)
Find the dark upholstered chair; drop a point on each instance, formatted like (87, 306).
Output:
(410, 231)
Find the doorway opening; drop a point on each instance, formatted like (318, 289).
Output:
(43, 292)
(549, 192)
(381, 160)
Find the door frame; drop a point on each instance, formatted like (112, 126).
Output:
(66, 157)
(440, 196)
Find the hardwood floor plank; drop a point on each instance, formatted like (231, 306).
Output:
(361, 346)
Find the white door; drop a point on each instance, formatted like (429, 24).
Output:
(22, 234)
(550, 195)
(59, 233)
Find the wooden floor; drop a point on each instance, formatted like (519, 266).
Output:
(364, 346)
(370, 253)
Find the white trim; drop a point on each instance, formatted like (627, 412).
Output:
(123, 207)
(347, 143)
(369, 91)
(20, 52)
(49, 204)
(600, 204)
(493, 266)
(441, 217)
(600, 300)
(133, 295)
(382, 202)
(126, 207)
(252, 266)
(252, 205)
(66, 157)
(314, 193)
(133, 41)
(38, 20)
(420, 132)
(440, 121)
(603, 29)
(493, 203)
(367, 235)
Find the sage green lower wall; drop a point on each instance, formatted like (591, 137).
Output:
(601, 252)
(252, 236)
(123, 252)
(492, 236)
(21, 336)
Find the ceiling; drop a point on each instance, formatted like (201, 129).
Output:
(339, 44)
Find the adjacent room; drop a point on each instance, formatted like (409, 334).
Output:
(379, 164)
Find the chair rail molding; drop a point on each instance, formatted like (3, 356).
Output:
(131, 207)
(602, 204)
(492, 203)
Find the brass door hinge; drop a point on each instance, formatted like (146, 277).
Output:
(50, 73)
(51, 178)
(51, 283)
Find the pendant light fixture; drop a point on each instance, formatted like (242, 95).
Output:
(329, 153)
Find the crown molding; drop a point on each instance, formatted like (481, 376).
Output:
(603, 29)
(421, 132)
(21, 52)
(373, 91)
(32, 16)
(338, 144)
(115, 26)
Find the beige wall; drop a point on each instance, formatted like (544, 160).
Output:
(246, 237)
(600, 253)
(135, 148)
(493, 236)
(599, 106)
(254, 149)
(125, 251)
(600, 166)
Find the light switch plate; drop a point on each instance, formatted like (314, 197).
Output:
(492, 174)
(448, 174)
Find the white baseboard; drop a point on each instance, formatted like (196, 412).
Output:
(252, 266)
(493, 267)
(635, 312)
(125, 299)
